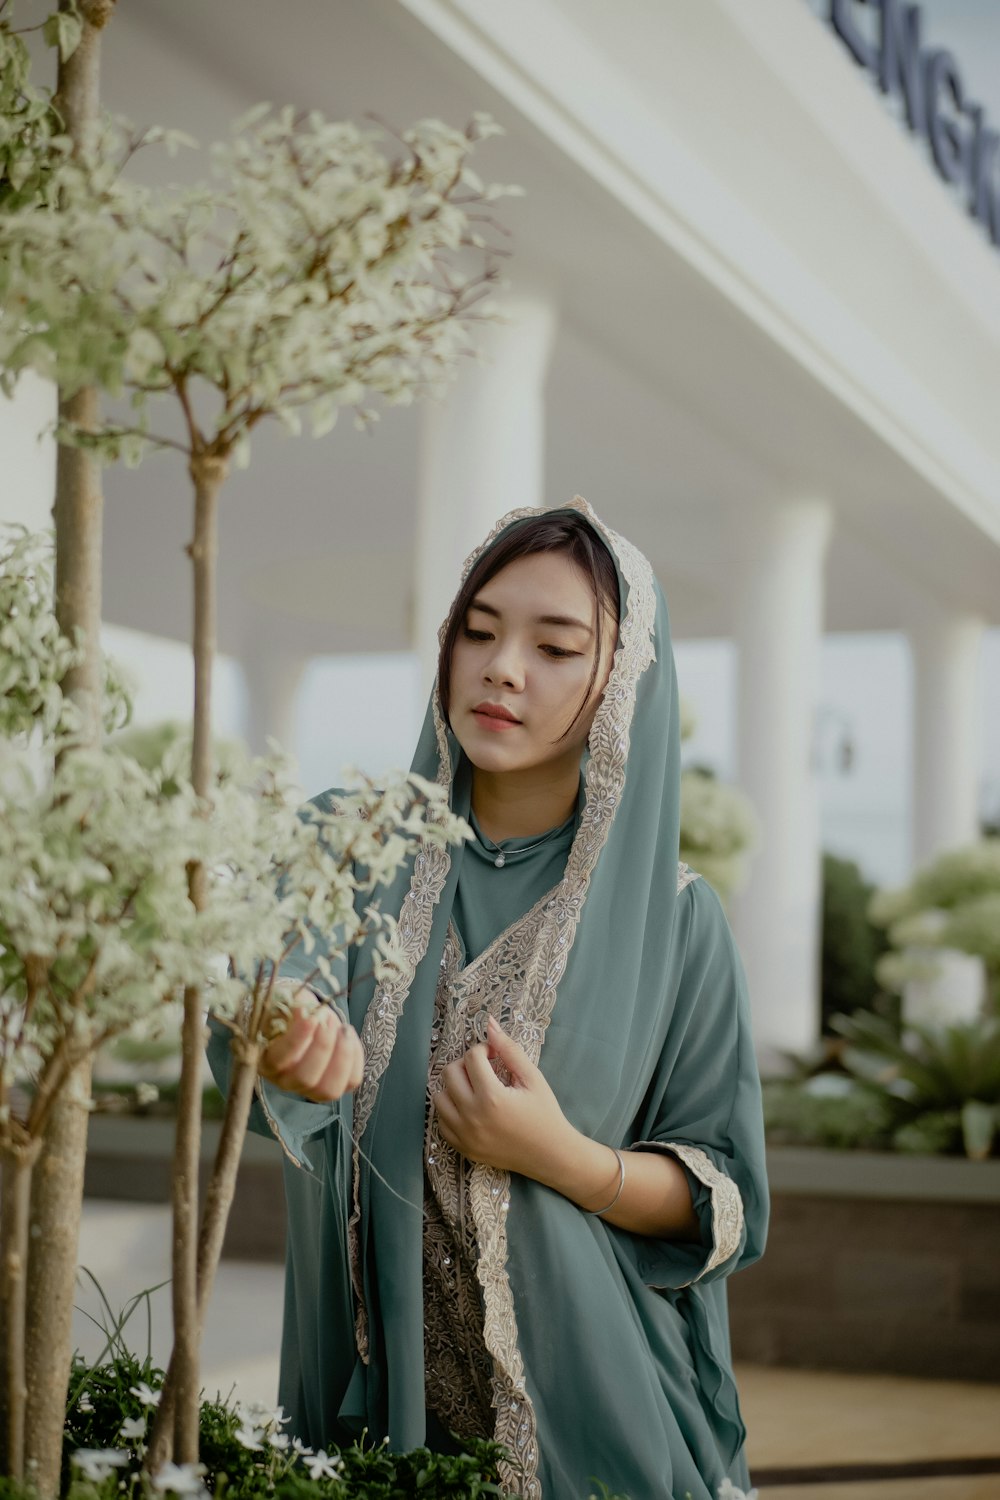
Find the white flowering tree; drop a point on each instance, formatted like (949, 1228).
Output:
(35, 132)
(98, 934)
(316, 270)
(951, 903)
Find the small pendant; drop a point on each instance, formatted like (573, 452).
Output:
(500, 860)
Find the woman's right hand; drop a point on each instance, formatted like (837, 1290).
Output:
(318, 1055)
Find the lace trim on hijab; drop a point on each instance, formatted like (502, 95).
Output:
(727, 1205)
(378, 1032)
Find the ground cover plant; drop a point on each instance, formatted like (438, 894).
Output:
(921, 1089)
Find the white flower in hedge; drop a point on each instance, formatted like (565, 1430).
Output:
(259, 1425)
(729, 1491)
(96, 1464)
(132, 1427)
(322, 1466)
(180, 1479)
(144, 1394)
(249, 1436)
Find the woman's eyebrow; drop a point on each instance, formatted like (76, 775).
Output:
(488, 609)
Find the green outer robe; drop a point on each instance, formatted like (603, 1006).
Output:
(610, 1351)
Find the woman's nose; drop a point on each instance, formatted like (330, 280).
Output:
(506, 667)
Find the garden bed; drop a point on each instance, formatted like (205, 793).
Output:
(876, 1261)
(129, 1158)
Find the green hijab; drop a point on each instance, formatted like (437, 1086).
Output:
(610, 1350)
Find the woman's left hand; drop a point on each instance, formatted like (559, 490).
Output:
(519, 1126)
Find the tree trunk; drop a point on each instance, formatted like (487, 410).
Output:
(56, 1199)
(57, 1181)
(15, 1195)
(218, 1201)
(207, 474)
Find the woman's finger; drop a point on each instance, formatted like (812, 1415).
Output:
(445, 1109)
(357, 1072)
(455, 1082)
(510, 1053)
(286, 1050)
(311, 1067)
(335, 1080)
(479, 1070)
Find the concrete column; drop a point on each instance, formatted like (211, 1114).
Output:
(272, 680)
(779, 609)
(947, 748)
(482, 454)
(947, 732)
(28, 459)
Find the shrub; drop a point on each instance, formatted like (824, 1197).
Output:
(851, 943)
(244, 1453)
(828, 1110)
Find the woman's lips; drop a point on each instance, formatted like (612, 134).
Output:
(494, 721)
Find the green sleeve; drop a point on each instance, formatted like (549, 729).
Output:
(704, 1107)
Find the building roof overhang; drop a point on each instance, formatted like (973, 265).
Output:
(764, 295)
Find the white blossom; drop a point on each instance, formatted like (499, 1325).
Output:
(179, 1479)
(322, 1466)
(96, 1464)
(315, 271)
(250, 1436)
(729, 1491)
(133, 1427)
(144, 1394)
(98, 935)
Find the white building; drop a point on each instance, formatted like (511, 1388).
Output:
(749, 320)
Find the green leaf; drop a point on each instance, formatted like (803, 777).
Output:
(63, 30)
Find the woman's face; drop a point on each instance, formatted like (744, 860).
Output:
(521, 664)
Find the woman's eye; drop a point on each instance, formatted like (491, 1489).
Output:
(558, 651)
(475, 635)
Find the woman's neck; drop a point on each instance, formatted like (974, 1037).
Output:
(517, 804)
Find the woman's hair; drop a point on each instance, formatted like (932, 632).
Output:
(564, 532)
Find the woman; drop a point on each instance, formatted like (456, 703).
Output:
(557, 1144)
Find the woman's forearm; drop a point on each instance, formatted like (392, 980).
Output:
(655, 1197)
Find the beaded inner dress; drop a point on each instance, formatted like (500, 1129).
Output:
(427, 1294)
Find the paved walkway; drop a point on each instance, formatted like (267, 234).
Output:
(795, 1418)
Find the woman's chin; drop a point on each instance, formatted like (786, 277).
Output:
(490, 754)
(485, 758)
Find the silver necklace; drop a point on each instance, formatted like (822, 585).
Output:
(502, 855)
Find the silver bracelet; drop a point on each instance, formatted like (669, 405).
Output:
(621, 1183)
